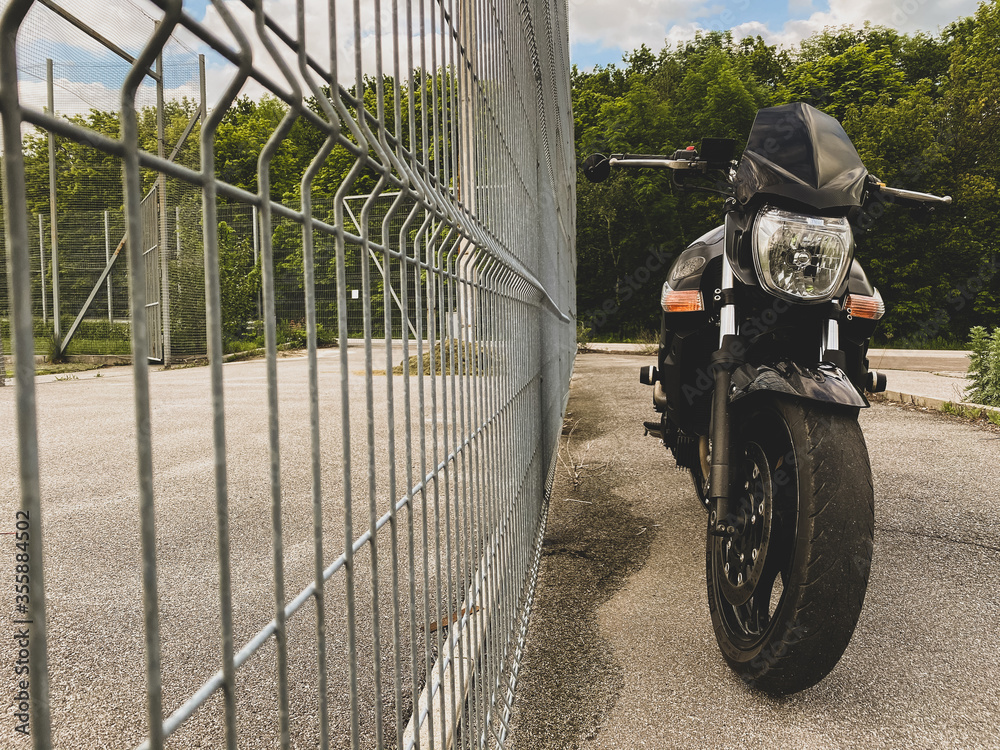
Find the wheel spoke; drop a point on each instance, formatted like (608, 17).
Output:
(761, 549)
(762, 595)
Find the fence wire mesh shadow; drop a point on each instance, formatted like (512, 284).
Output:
(335, 547)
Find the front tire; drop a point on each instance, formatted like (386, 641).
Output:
(785, 592)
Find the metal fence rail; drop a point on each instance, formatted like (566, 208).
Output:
(426, 483)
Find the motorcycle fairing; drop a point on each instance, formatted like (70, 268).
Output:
(797, 152)
(824, 383)
(712, 244)
(707, 247)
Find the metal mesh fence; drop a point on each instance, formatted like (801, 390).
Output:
(385, 281)
(330, 550)
(78, 76)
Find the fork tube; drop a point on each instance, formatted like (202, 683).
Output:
(721, 443)
(831, 337)
(727, 320)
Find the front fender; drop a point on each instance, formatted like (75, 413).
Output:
(824, 383)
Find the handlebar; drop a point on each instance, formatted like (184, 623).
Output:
(912, 196)
(597, 167)
(645, 160)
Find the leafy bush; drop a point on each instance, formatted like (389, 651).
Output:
(239, 281)
(101, 337)
(984, 367)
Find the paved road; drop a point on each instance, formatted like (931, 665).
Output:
(620, 650)
(918, 360)
(92, 557)
(914, 360)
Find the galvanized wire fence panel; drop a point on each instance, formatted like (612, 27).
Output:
(72, 188)
(358, 531)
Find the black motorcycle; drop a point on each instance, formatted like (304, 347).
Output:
(762, 372)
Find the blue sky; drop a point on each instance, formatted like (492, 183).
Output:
(774, 13)
(602, 30)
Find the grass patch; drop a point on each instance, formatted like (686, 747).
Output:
(937, 343)
(984, 366)
(453, 357)
(585, 335)
(105, 347)
(50, 368)
(241, 347)
(973, 413)
(289, 335)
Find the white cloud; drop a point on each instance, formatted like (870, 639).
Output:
(88, 75)
(908, 16)
(127, 24)
(75, 98)
(317, 41)
(629, 23)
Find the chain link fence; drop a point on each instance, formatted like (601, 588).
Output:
(358, 529)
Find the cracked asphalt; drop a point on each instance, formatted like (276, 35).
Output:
(620, 650)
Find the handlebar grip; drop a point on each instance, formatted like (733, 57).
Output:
(914, 196)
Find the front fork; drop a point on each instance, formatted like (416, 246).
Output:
(731, 354)
(724, 361)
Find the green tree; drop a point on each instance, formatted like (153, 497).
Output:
(239, 283)
(858, 76)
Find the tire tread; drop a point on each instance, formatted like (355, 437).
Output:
(832, 558)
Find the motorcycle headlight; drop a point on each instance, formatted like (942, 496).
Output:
(801, 257)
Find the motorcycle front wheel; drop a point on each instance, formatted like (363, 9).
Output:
(785, 591)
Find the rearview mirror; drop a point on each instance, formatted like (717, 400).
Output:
(718, 152)
(596, 168)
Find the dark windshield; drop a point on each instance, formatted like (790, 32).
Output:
(796, 151)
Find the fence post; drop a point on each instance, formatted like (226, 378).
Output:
(256, 246)
(53, 214)
(163, 242)
(107, 259)
(22, 339)
(41, 264)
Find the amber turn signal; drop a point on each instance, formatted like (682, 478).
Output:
(690, 301)
(861, 306)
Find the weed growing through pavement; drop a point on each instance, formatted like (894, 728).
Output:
(576, 465)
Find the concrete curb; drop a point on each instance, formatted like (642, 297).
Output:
(905, 398)
(937, 404)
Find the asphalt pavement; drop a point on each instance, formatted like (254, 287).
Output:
(92, 549)
(620, 650)
(927, 378)
(922, 360)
